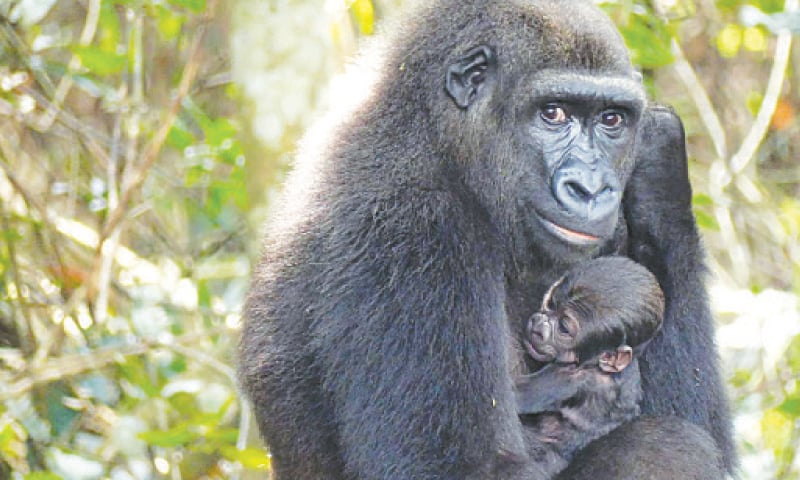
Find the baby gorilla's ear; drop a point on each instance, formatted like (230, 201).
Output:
(616, 361)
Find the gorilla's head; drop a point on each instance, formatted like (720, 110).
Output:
(538, 109)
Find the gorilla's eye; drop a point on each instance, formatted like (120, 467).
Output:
(554, 114)
(563, 326)
(611, 119)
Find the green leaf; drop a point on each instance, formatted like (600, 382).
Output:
(791, 406)
(169, 23)
(729, 40)
(12, 443)
(768, 6)
(174, 437)
(252, 458)
(648, 42)
(100, 62)
(793, 355)
(134, 372)
(702, 199)
(179, 137)
(753, 102)
(223, 435)
(741, 378)
(219, 130)
(42, 476)
(109, 34)
(705, 220)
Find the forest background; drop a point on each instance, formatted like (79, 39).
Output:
(141, 142)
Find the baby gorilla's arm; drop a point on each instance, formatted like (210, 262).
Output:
(547, 389)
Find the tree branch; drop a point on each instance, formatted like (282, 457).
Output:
(61, 367)
(758, 130)
(154, 148)
(705, 108)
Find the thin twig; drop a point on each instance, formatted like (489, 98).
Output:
(65, 84)
(705, 108)
(154, 147)
(90, 137)
(21, 51)
(758, 130)
(105, 254)
(203, 358)
(64, 366)
(19, 317)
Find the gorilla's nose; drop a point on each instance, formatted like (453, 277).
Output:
(586, 190)
(540, 328)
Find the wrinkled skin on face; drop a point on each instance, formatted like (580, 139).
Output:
(572, 132)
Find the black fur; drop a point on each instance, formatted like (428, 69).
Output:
(612, 300)
(606, 304)
(381, 327)
(652, 448)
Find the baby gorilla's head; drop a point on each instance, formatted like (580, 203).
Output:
(602, 308)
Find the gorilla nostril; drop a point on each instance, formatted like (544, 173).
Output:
(607, 190)
(578, 191)
(537, 334)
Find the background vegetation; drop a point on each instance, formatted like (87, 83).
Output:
(140, 143)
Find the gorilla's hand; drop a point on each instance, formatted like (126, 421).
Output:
(658, 198)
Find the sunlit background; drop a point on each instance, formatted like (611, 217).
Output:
(141, 142)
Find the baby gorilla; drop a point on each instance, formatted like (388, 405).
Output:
(586, 378)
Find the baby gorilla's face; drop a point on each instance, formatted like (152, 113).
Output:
(554, 334)
(551, 336)
(552, 339)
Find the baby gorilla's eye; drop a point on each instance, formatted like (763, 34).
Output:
(563, 326)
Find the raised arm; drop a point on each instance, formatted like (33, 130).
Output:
(680, 368)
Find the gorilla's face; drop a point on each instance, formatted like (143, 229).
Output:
(574, 134)
(555, 165)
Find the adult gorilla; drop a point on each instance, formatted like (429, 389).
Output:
(420, 232)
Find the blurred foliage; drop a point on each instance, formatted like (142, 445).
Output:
(134, 174)
(125, 242)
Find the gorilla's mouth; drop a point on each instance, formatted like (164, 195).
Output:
(548, 354)
(571, 236)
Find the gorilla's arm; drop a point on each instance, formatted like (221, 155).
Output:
(680, 368)
(414, 347)
(379, 346)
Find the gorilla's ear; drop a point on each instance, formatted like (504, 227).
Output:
(615, 362)
(466, 77)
